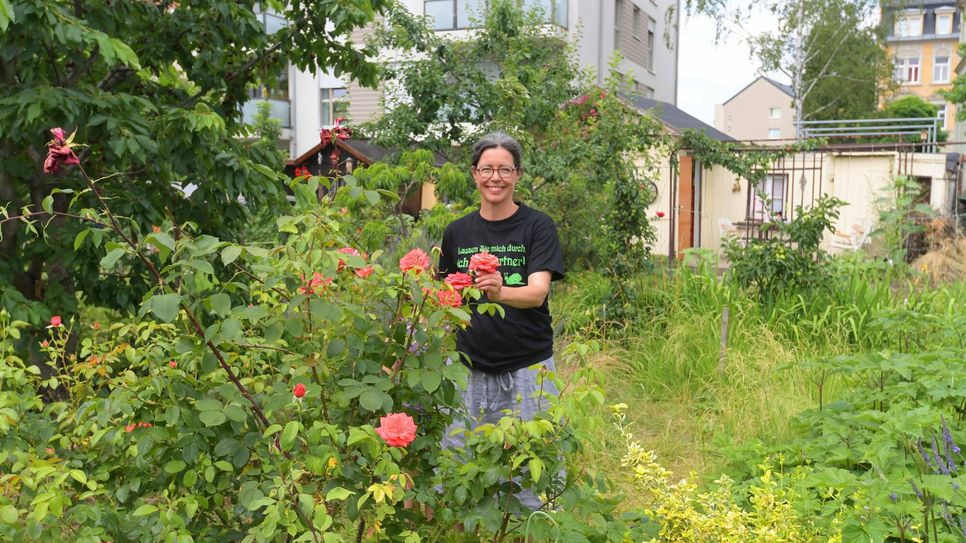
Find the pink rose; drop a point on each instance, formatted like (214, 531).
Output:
(397, 429)
(172, 364)
(364, 272)
(416, 261)
(299, 390)
(484, 263)
(347, 251)
(459, 280)
(449, 298)
(316, 285)
(55, 321)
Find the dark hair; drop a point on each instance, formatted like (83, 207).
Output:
(497, 140)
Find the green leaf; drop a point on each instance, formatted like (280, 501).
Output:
(212, 418)
(231, 329)
(48, 203)
(371, 400)
(7, 15)
(230, 254)
(166, 306)
(272, 430)
(144, 510)
(536, 468)
(338, 493)
(220, 303)
(162, 239)
(111, 258)
(82, 235)
(175, 466)
(78, 476)
(8, 513)
(290, 433)
(208, 405)
(431, 380)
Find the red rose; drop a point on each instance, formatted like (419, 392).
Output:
(484, 263)
(416, 261)
(397, 429)
(172, 364)
(299, 390)
(660, 214)
(449, 298)
(364, 272)
(55, 321)
(459, 280)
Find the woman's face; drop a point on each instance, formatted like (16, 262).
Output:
(496, 188)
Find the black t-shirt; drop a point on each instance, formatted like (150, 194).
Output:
(526, 242)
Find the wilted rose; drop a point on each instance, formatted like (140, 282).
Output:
(59, 153)
(416, 261)
(397, 429)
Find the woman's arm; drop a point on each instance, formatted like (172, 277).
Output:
(532, 294)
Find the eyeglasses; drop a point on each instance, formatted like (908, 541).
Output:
(487, 172)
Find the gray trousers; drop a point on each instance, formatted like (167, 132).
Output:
(488, 395)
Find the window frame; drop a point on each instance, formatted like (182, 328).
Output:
(948, 17)
(936, 65)
(774, 113)
(768, 185)
(328, 102)
(904, 66)
(902, 29)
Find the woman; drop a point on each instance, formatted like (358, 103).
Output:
(505, 353)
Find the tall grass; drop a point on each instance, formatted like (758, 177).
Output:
(662, 352)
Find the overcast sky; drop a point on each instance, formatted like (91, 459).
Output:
(709, 74)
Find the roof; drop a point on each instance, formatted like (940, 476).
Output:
(787, 89)
(362, 150)
(677, 119)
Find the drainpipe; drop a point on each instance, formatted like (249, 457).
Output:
(600, 45)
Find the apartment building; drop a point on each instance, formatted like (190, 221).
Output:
(762, 112)
(923, 39)
(638, 29)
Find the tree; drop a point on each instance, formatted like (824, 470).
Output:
(584, 145)
(828, 49)
(157, 87)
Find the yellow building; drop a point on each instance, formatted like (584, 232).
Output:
(922, 41)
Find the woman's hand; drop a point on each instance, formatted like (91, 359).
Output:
(491, 284)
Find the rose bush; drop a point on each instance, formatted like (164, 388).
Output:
(183, 424)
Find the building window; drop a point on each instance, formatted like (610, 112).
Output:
(272, 22)
(641, 89)
(769, 198)
(618, 18)
(651, 27)
(944, 24)
(774, 133)
(637, 24)
(940, 70)
(457, 14)
(941, 113)
(907, 70)
(335, 104)
(775, 113)
(908, 25)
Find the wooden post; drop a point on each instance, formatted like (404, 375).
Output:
(722, 354)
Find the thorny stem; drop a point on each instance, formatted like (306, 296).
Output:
(255, 407)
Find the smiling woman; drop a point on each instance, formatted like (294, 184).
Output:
(513, 253)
